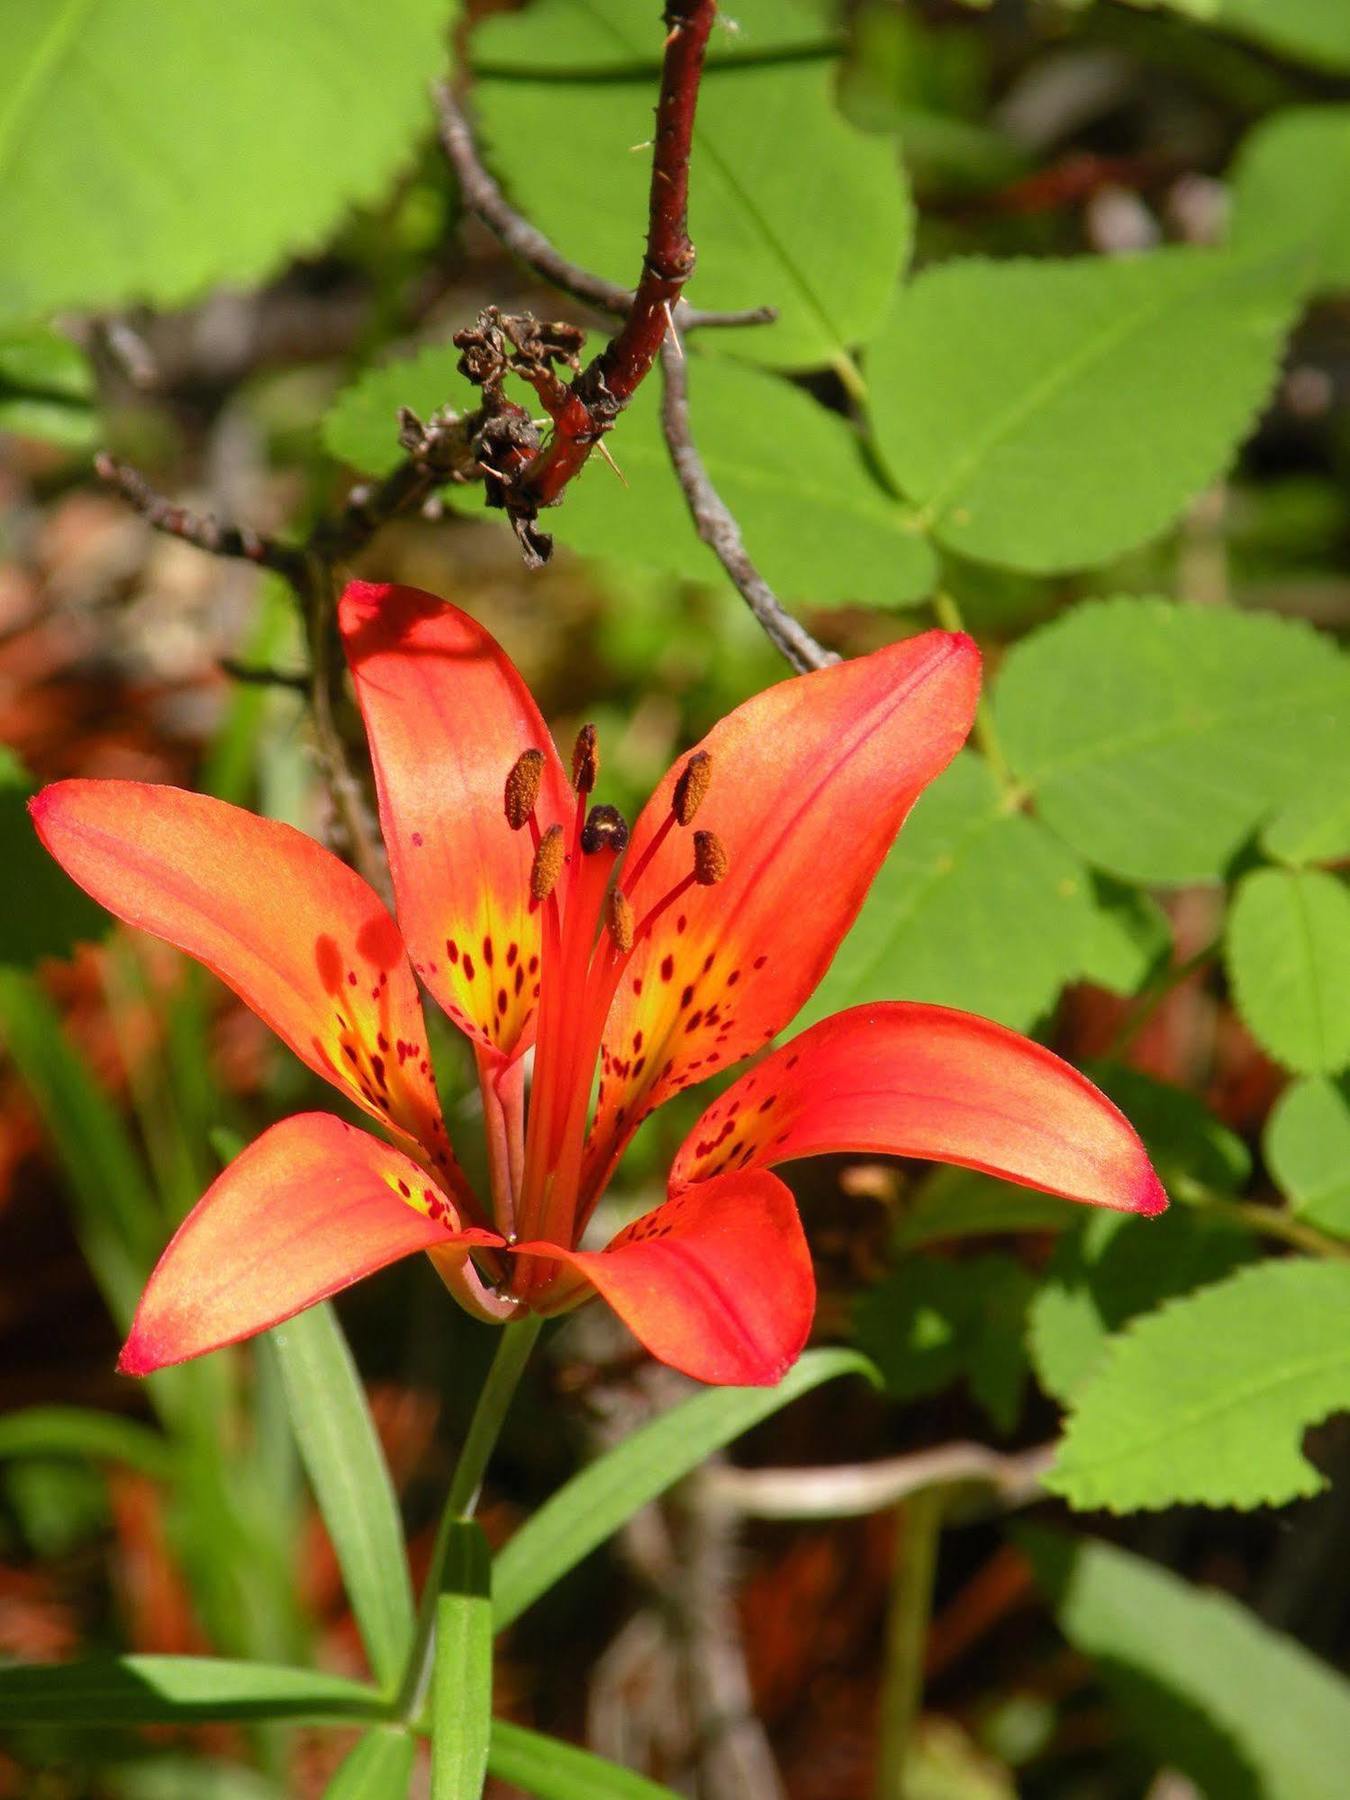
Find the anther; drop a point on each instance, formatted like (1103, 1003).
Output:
(585, 760)
(710, 859)
(619, 913)
(548, 862)
(522, 787)
(604, 830)
(692, 787)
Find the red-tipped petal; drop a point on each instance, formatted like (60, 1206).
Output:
(448, 717)
(308, 1209)
(902, 1079)
(716, 1282)
(297, 935)
(810, 781)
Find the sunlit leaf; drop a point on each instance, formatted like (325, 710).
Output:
(1288, 956)
(379, 1768)
(149, 1690)
(1307, 1149)
(552, 1770)
(461, 1686)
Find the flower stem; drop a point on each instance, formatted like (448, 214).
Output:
(508, 1365)
(948, 615)
(920, 1521)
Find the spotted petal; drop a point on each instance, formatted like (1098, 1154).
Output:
(716, 1282)
(810, 782)
(448, 715)
(297, 935)
(926, 1081)
(310, 1207)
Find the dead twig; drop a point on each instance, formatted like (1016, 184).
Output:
(850, 1490)
(206, 533)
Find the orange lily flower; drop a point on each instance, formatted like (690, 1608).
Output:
(536, 921)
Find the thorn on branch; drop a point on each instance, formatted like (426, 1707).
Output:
(201, 530)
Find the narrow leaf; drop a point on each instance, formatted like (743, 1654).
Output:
(379, 1768)
(350, 1477)
(1205, 1402)
(153, 1690)
(461, 1688)
(552, 1770)
(594, 1504)
(75, 1431)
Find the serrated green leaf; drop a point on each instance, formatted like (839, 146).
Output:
(350, 1478)
(1156, 737)
(770, 150)
(1307, 1149)
(1313, 826)
(553, 1770)
(154, 1690)
(1050, 415)
(361, 427)
(934, 1321)
(976, 907)
(1128, 940)
(166, 184)
(595, 1503)
(46, 387)
(957, 1203)
(1316, 31)
(1243, 1710)
(379, 1768)
(605, 37)
(1205, 1401)
(461, 1687)
(1111, 1270)
(42, 912)
(1275, 203)
(1288, 954)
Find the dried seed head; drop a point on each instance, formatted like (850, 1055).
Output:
(548, 862)
(585, 760)
(604, 829)
(619, 914)
(710, 859)
(692, 786)
(522, 787)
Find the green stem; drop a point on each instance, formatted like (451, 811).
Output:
(948, 615)
(1160, 989)
(508, 1365)
(920, 1520)
(1269, 1221)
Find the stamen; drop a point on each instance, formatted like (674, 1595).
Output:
(692, 787)
(620, 920)
(522, 787)
(711, 861)
(585, 760)
(605, 829)
(547, 865)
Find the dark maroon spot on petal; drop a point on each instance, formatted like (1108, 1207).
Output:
(637, 1040)
(351, 978)
(417, 840)
(668, 969)
(487, 951)
(681, 922)
(695, 1020)
(760, 961)
(520, 979)
(404, 1189)
(687, 996)
(733, 978)
(637, 984)
(501, 1000)
(468, 966)
(452, 950)
(328, 961)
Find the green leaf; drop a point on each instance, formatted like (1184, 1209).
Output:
(75, 1431)
(461, 1688)
(934, 1321)
(594, 1504)
(1183, 1137)
(1050, 415)
(171, 1777)
(1246, 1712)
(1205, 1402)
(1317, 31)
(1313, 826)
(1307, 1149)
(546, 1767)
(975, 907)
(350, 1478)
(605, 37)
(361, 427)
(379, 1768)
(45, 914)
(789, 205)
(1275, 203)
(957, 1203)
(1112, 1270)
(1156, 737)
(1128, 940)
(46, 388)
(181, 1690)
(167, 184)
(1288, 955)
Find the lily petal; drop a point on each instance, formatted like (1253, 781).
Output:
(716, 1282)
(310, 1207)
(296, 933)
(903, 1079)
(810, 781)
(448, 716)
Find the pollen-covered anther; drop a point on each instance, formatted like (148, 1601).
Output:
(692, 787)
(548, 862)
(585, 760)
(605, 829)
(710, 859)
(522, 787)
(619, 915)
